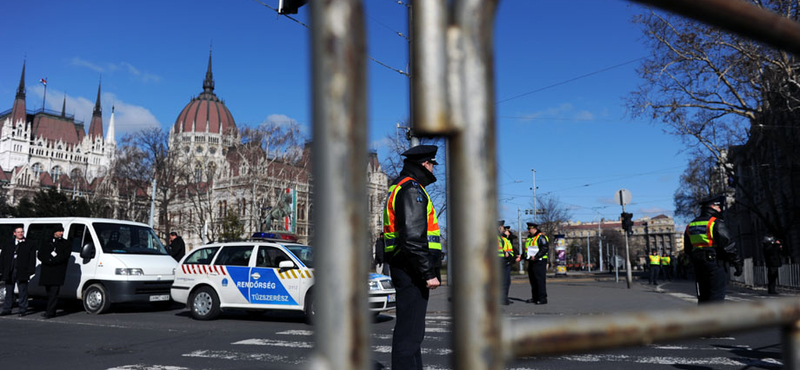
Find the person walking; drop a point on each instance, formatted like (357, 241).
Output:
(177, 248)
(412, 246)
(772, 258)
(536, 249)
(17, 265)
(655, 266)
(711, 248)
(54, 255)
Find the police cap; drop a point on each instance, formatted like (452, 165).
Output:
(716, 199)
(508, 227)
(532, 225)
(422, 153)
(768, 239)
(501, 223)
(58, 228)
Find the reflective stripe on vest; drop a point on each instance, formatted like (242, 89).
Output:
(534, 243)
(665, 261)
(503, 246)
(700, 233)
(655, 260)
(390, 227)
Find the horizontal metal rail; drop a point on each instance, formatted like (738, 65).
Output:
(540, 337)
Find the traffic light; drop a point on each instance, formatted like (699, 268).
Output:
(290, 6)
(627, 222)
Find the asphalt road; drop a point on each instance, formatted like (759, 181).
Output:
(137, 337)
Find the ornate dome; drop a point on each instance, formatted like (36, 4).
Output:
(206, 113)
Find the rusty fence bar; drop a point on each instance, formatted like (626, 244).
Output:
(339, 161)
(580, 334)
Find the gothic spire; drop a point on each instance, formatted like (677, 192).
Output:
(97, 110)
(21, 88)
(64, 106)
(208, 83)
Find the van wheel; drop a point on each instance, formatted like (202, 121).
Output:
(2, 293)
(310, 309)
(204, 304)
(95, 299)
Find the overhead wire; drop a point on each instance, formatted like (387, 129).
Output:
(306, 26)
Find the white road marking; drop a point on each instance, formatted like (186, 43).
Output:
(658, 360)
(296, 332)
(275, 343)
(238, 356)
(437, 330)
(148, 367)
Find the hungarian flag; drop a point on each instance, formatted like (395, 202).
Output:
(43, 81)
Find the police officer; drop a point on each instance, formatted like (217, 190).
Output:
(506, 253)
(666, 267)
(709, 244)
(412, 249)
(536, 248)
(655, 265)
(17, 265)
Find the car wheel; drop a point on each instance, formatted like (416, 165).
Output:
(310, 309)
(95, 299)
(2, 293)
(204, 304)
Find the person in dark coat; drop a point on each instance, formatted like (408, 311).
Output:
(772, 258)
(54, 255)
(177, 249)
(17, 265)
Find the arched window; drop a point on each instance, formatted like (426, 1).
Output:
(56, 172)
(37, 169)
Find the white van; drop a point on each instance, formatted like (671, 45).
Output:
(112, 261)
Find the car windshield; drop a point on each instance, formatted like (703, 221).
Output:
(128, 239)
(304, 253)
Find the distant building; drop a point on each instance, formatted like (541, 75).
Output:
(656, 233)
(49, 149)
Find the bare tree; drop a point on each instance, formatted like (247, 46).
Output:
(144, 156)
(552, 214)
(695, 184)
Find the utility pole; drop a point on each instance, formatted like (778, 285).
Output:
(534, 195)
(153, 204)
(519, 237)
(588, 255)
(600, 242)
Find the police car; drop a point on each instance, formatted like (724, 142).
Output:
(271, 272)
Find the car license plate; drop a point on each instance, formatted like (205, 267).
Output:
(159, 298)
(390, 298)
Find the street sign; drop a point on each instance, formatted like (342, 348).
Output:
(622, 196)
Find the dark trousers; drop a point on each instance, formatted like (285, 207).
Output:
(772, 278)
(505, 278)
(654, 269)
(22, 287)
(409, 327)
(712, 280)
(666, 273)
(52, 299)
(537, 274)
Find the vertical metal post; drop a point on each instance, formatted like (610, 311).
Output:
(600, 242)
(791, 345)
(476, 311)
(428, 53)
(339, 154)
(153, 203)
(628, 273)
(534, 195)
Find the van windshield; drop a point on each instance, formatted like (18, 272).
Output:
(128, 239)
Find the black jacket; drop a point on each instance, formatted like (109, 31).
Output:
(25, 263)
(544, 246)
(772, 255)
(411, 220)
(54, 268)
(724, 245)
(379, 251)
(177, 249)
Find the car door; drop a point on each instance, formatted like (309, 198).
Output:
(230, 275)
(79, 269)
(268, 288)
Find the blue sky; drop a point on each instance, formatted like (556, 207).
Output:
(152, 57)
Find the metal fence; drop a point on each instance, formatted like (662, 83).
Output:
(453, 95)
(756, 276)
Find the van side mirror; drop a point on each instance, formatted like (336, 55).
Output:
(87, 252)
(286, 265)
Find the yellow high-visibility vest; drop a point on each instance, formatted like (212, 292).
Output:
(390, 227)
(655, 260)
(701, 233)
(534, 244)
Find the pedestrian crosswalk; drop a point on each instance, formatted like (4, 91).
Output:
(294, 347)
